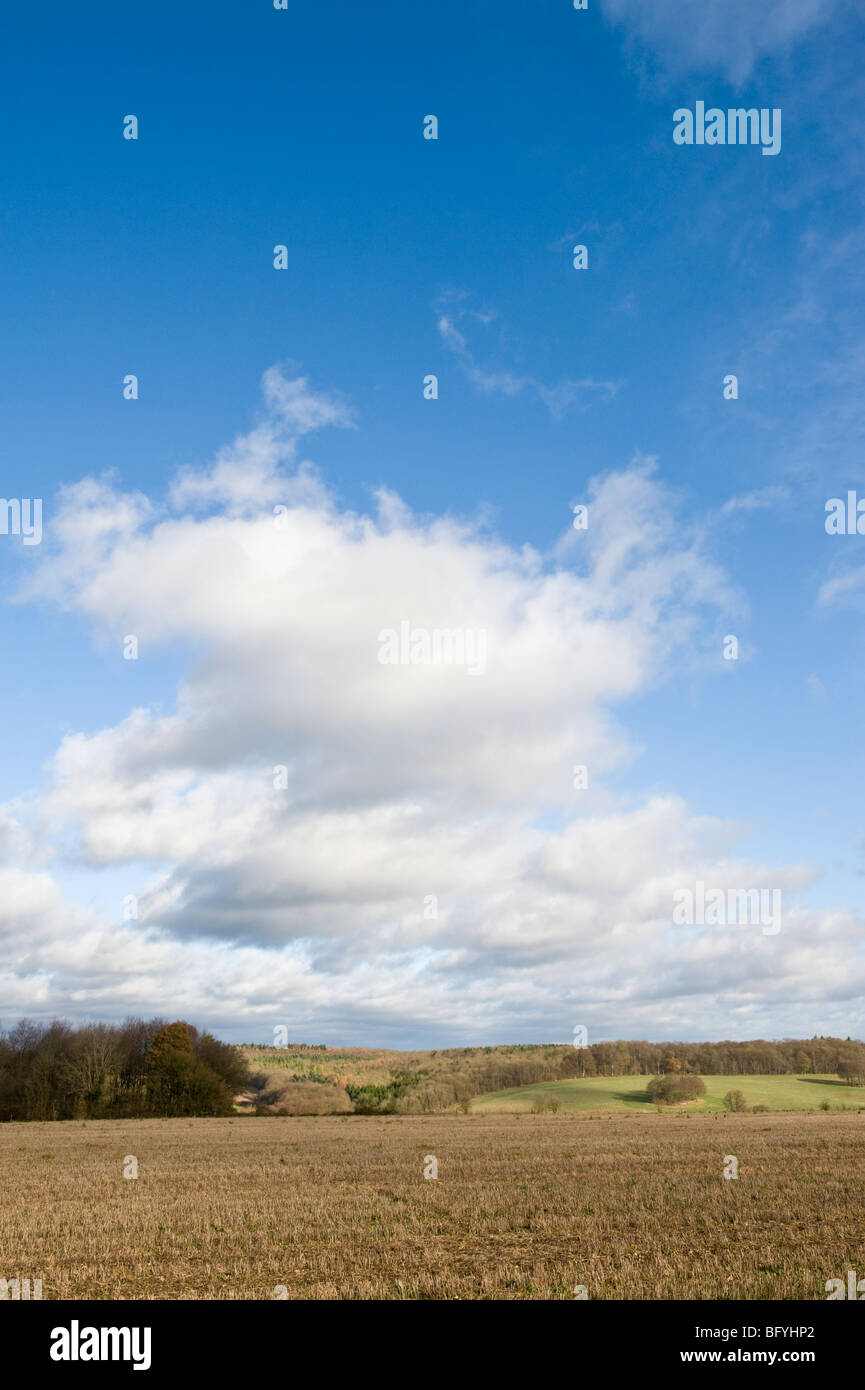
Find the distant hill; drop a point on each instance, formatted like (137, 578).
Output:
(307, 1079)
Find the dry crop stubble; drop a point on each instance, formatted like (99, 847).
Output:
(525, 1206)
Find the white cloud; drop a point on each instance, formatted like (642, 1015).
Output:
(260, 903)
(759, 499)
(246, 473)
(731, 36)
(559, 398)
(844, 587)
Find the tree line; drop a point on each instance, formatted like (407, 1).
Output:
(101, 1071)
(152, 1068)
(788, 1057)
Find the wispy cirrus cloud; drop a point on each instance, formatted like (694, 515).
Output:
(846, 587)
(730, 36)
(758, 499)
(559, 397)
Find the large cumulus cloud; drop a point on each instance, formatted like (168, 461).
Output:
(389, 852)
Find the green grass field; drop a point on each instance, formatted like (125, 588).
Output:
(603, 1094)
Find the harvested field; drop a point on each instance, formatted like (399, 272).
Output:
(525, 1206)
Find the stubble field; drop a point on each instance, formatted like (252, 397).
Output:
(525, 1207)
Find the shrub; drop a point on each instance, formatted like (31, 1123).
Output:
(672, 1089)
(691, 1087)
(735, 1102)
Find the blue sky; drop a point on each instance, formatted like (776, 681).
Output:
(453, 257)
